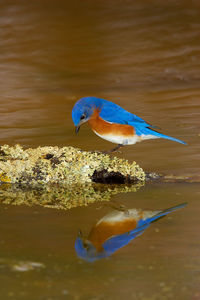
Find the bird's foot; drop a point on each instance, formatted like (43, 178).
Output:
(117, 206)
(98, 151)
(115, 149)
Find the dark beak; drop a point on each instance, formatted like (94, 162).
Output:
(77, 129)
(80, 234)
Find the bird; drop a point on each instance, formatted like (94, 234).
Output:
(113, 123)
(116, 230)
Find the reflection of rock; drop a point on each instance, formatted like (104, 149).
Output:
(173, 178)
(115, 231)
(181, 178)
(61, 196)
(64, 165)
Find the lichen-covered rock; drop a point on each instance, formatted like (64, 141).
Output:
(61, 196)
(64, 165)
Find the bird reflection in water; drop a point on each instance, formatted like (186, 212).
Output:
(115, 230)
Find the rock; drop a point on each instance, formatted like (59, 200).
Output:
(61, 196)
(66, 165)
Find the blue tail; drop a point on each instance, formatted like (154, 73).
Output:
(148, 130)
(143, 224)
(165, 212)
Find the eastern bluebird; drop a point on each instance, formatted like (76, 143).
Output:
(116, 230)
(113, 123)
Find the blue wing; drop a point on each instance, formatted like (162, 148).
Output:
(118, 241)
(113, 113)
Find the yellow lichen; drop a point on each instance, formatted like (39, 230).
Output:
(4, 178)
(62, 196)
(61, 165)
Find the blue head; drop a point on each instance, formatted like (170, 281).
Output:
(83, 109)
(86, 250)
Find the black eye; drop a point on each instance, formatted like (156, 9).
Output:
(83, 117)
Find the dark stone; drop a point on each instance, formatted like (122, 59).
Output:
(106, 177)
(55, 161)
(2, 153)
(49, 156)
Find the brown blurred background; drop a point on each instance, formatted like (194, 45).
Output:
(143, 55)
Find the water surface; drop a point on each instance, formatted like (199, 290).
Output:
(143, 55)
(38, 259)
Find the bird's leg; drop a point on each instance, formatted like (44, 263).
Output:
(108, 151)
(114, 149)
(117, 206)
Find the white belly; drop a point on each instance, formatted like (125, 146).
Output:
(125, 140)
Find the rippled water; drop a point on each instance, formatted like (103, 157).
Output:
(145, 56)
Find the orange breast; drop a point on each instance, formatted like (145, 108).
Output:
(104, 230)
(104, 128)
